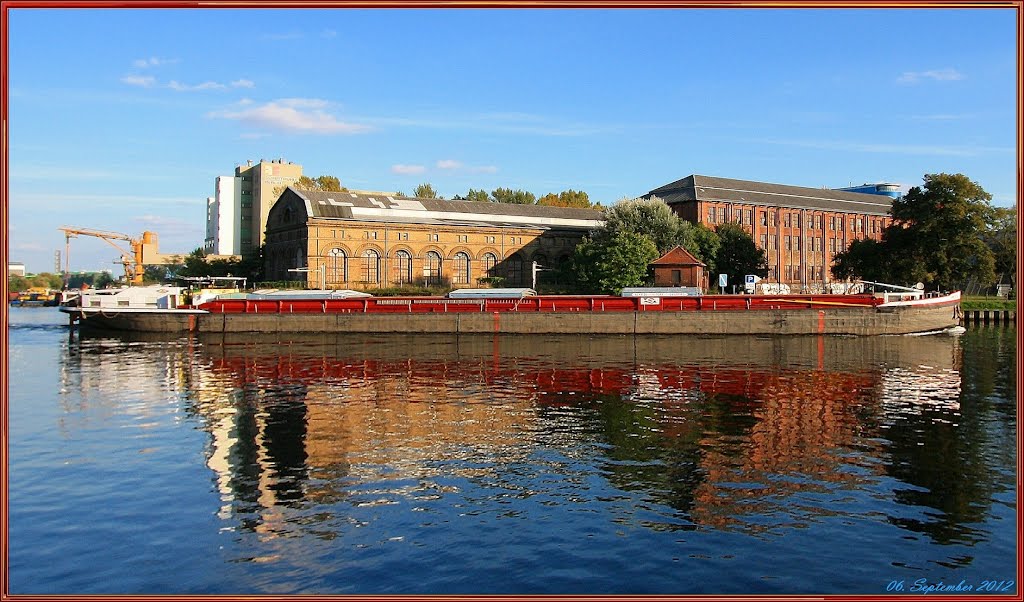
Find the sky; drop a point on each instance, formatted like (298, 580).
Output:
(121, 119)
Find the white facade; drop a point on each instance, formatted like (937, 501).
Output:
(224, 217)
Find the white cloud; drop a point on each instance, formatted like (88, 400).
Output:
(148, 81)
(144, 81)
(301, 115)
(408, 170)
(940, 75)
(173, 85)
(328, 33)
(152, 62)
(452, 164)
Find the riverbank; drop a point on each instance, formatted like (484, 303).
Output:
(973, 303)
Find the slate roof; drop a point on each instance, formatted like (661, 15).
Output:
(707, 188)
(391, 209)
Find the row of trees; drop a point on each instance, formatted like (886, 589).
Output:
(566, 198)
(945, 234)
(56, 281)
(636, 232)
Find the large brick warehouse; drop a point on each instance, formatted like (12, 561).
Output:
(800, 229)
(363, 241)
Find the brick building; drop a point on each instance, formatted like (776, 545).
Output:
(678, 267)
(800, 229)
(362, 241)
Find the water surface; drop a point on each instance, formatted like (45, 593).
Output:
(550, 464)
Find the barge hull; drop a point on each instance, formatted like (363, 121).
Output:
(886, 319)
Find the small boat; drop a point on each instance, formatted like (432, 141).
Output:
(36, 297)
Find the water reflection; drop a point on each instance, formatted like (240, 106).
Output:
(754, 436)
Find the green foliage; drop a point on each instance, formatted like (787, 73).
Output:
(566, 198)
(198, 264)
(17, 283)
(656, 220)
(322, 183)
(156, 274)
(549, 200)
(410, 290)
(425, 191)
(609, 264)
(92, 279)
(937, 237)
(517, 197)
(706, 245)
(42, 280)
(1001, 238)
(738, 255)
(975, 303)
(478, 196)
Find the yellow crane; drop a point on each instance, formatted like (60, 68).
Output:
(143, 250)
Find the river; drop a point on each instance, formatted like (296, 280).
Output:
(487, 465)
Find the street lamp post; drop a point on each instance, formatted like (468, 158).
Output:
(537, 268)
(322, 268)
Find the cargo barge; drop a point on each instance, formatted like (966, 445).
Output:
(327, 312)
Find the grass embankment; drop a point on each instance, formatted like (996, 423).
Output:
(990, 303)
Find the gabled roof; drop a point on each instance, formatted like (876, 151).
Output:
(678, 256)
(364, 207)
(707, 188)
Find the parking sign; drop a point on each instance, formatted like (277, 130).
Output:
(723, 280)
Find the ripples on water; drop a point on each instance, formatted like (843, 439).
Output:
(434, 464)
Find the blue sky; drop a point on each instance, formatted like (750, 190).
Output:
(121, 119)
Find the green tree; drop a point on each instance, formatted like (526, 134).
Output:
(566, 198)
(937, 237)
(738, 254)
(610, 264)
(46, 280)
(478, 196)
(947, 217)
(322, 183)
(17, 283)
(549, 200)
(1001, 238)
(654, 219)
(425, 191)
(706, 244)
(517, 197)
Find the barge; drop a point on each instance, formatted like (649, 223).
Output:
(338, 312)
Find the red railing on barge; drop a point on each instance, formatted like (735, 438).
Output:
(559, 303)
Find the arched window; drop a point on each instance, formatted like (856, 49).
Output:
(460, 274)
(432, 268)
(371, 266)
(515, 270)
(489, 262)
(403, 267)
(337, 266)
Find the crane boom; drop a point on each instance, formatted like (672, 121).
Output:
(132, 260)
(144, 251)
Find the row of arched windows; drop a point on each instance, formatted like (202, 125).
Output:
(369, 267)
